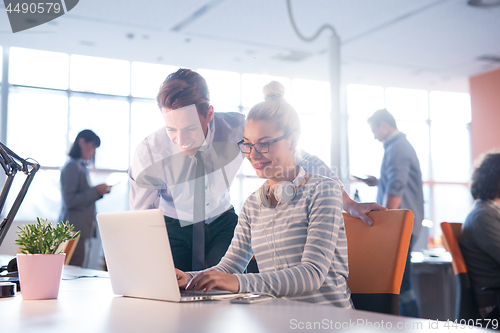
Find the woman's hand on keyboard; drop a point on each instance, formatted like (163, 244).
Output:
(211, 279)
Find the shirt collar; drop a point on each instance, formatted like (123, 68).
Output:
(393, 137)
(492, 203)
(393, 134)
(209, 138)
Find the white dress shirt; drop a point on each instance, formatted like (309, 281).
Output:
(161, 177)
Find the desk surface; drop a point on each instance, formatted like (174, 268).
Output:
(431, 257)
(5, 258)
(88, 305)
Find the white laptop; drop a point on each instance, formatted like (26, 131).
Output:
(139, 258)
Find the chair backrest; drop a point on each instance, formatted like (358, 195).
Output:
(377, 258)
(70, 249)
(451, 239)
(465, 306)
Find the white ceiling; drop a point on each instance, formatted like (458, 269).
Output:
(428, 44)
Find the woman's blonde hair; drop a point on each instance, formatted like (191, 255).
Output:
(276, 108)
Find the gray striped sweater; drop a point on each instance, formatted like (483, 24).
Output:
(301, 252)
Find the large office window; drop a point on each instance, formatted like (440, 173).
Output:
(145, 119)
(38, 68)
(436, 124)
(53, 96)
(252, 85)
(99, 75)
(49, 105)
(224, 89)
(311, 99)
(37, 124)
(147, 78)
(109, 118)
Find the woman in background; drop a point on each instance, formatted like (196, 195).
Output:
(480, 240)
(293, 223)
(79, 197)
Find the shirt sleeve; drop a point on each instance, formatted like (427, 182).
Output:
(142, 197)
(73, 198)
(325, 221)
(145, 179)
(398, 173)
(315, 166)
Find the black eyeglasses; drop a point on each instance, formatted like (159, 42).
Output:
(260, 147)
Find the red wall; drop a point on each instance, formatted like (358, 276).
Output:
(485, 101)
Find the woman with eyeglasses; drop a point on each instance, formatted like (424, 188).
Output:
(292, 224)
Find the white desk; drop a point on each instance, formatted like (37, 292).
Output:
(434, 284)
(88, 305)
(5, 258)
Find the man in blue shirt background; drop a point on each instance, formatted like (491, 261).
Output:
(399, 186)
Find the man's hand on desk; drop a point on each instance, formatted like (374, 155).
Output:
(216, 280)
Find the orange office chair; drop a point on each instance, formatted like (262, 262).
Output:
(70, 249)
(377, 258)
(466, 307)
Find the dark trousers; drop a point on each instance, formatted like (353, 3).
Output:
(408, 306)
(218, 236)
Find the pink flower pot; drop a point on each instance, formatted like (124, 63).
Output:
(40, 274)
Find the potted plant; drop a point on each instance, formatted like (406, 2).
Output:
(41, 261)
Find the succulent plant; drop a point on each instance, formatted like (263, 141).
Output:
(43, 238)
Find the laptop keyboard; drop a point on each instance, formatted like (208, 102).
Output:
(201, 292)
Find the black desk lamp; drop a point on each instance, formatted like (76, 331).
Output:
(11, 163)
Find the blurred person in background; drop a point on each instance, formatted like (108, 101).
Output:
(399, 187)
(79, 197)
(480, 240)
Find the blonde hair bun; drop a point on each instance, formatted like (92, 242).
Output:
(276, 109)
(273, 90)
